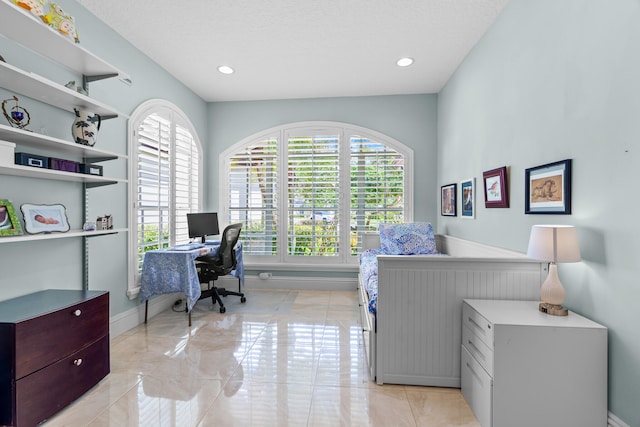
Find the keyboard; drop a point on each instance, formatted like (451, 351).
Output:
(187, 247)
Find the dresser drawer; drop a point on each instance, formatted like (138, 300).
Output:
(476, 387)
(477, 324)
(44, 393)
(478, 349)
(43, 340)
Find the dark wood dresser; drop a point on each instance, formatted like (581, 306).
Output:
(54, 347)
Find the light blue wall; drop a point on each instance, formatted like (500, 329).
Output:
(555, 80)
(410, 119)
(31, 266)
(552, 80)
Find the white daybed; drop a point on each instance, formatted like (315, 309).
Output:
(415, 336)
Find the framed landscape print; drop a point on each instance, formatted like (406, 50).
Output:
(496, 188)
(448, 202)
(468, 198)
(548, 189)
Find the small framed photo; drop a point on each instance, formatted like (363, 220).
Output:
(468, 198)
(448, 202)
(548, 189)
(9, 222)
(496, 188)
(44, 218)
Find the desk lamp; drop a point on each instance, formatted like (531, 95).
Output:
(553, 243)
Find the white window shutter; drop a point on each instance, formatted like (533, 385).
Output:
(310, 191)
(252, 195)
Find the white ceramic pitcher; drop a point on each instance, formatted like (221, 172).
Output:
(85, 127)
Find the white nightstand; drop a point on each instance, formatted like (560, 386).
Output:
(521, 367)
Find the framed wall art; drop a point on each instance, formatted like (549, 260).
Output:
(496, 188)
(548, 189)
(9, 222)
(44, 218)
(448, 202)
(468, 198)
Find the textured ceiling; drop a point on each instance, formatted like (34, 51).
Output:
(285, 49)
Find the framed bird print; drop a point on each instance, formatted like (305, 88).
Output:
(496, 189)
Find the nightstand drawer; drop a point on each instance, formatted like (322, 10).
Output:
(477, 324)
(524, 348)
(476, 387)
(478, 349)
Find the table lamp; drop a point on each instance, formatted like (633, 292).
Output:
(553, 243)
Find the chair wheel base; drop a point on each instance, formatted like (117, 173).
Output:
(222, 309)
(243, 300)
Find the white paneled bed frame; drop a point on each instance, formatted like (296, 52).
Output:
(415, 336)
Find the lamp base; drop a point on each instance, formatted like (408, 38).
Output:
(553, 309)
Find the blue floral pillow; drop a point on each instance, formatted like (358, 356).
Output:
(416, 238)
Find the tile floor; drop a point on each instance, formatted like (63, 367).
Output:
(293, 358)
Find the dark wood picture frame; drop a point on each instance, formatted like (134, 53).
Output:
(548, 189)
(496, 188)
(448, 200)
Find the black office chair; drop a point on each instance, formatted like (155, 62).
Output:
(210, 267)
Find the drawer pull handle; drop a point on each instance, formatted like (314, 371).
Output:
(475, 348)
(474, 323)
(477, 325)
(474, 373)
(78, 312)
(77, 362)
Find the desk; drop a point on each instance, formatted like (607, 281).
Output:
(168, 271)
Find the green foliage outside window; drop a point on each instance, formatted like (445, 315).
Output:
(151, 239)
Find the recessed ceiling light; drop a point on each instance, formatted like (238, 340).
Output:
(404, 62)
(225, 69)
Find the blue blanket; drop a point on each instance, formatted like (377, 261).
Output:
(369, 275)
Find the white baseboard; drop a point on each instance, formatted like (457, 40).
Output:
(302, 283)
(131, 318)
(613, 421)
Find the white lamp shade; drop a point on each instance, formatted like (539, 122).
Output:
(554, 243)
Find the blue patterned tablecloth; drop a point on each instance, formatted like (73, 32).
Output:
(167, 271)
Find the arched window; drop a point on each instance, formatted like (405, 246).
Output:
(165, 184)
(306, 190)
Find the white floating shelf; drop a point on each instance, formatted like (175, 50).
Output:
(32, 172)
(39, 141)
(70, 233)
(23, 27)
(44, 90)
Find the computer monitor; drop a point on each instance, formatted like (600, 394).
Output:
(202, 225)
